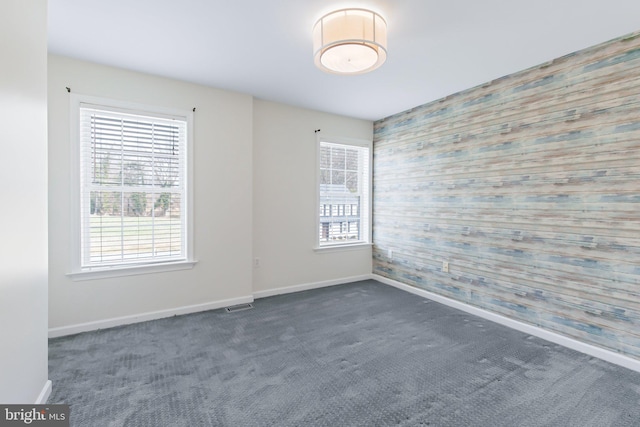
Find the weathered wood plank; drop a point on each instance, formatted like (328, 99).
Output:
(587, 328)
(490, 283)
(530, 187)
(483, 94)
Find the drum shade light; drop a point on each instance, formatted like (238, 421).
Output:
(350, 41)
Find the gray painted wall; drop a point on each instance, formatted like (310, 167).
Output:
(529, 186)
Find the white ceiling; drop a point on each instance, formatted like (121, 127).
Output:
(264, 47)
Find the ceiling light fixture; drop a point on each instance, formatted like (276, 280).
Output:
(350, 41)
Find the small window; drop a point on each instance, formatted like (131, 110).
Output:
(344, 186)
(132, 204)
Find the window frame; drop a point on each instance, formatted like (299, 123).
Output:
(366, 239)
(89, 273)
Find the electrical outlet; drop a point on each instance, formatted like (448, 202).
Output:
(256, 263)
(445, 266)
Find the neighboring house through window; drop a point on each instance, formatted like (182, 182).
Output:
(132, 177)
(344, 192)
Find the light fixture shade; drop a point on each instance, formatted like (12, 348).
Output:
(350, 41)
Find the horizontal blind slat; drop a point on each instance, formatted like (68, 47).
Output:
(343, 192)
(132, 191)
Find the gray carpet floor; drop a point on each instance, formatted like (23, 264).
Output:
(362, 354)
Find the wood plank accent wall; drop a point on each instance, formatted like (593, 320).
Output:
(529, 186)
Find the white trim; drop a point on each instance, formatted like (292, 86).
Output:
(74, 199)
(591, 350)
(213, 305)
(365, 143)
(134, 270)
(343, 140)
(189, 191)
(75, 102)
(309, 286)
(343, 247)
(582, 347)
(143, 317)
(44, 394)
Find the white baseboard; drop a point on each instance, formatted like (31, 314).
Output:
(308, 286)
(143, 317)
(591, 350)
(44, 394)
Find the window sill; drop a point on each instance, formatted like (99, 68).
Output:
(130, 271)
(343, 247)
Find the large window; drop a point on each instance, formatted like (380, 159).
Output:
(132, 202)
(344, 192)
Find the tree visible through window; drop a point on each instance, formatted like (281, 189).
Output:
(132, 188)
(343, 193)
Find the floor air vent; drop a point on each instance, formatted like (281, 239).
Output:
(238, 307)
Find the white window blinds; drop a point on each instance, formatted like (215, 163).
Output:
(343, 194)
(133, 188)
